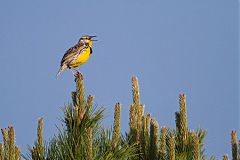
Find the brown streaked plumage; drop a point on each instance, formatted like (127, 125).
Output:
(77, 55)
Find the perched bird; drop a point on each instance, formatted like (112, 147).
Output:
(77, 55)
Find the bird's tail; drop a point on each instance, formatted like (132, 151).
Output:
(62, 68)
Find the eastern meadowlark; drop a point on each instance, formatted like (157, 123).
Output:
(77, 55)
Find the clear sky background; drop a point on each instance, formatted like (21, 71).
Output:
(172, 46)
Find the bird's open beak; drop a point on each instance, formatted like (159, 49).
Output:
(93, 37)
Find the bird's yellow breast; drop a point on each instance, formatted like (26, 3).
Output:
(82, 58)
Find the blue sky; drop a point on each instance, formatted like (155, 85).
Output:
(173, 47)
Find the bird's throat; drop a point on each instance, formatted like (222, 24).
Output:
(90, 43)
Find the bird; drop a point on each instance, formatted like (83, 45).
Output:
(77, 55)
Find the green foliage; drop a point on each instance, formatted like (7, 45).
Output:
(81, 135)
(179, 143)
(72, 142)
(105, 150)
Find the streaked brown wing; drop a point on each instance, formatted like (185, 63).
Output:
(72, 53)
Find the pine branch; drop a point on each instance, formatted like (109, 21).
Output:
(135, 111)
(153, 139)
(225, 157)
(135, 91)
(1, 152)
(116, 126)
(17, 153)
(171, 146)
(162, 146)
(239, 150)
(89, 103)
(196, 148)
(11, 136)
(80, 95)
(40, 146)
(132, 123)
(89, 143)
(143, 137)
(76, 109)
(183, 117)
(139, 114)
(178, 121)
(5, 141)
(234, 144)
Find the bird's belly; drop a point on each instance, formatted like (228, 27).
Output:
(81, 59)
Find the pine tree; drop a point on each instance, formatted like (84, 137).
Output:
(9, 151)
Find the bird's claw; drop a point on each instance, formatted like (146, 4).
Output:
(76, 73)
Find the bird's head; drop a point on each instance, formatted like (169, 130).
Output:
(87, 39)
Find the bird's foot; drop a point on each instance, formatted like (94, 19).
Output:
(75, 72)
